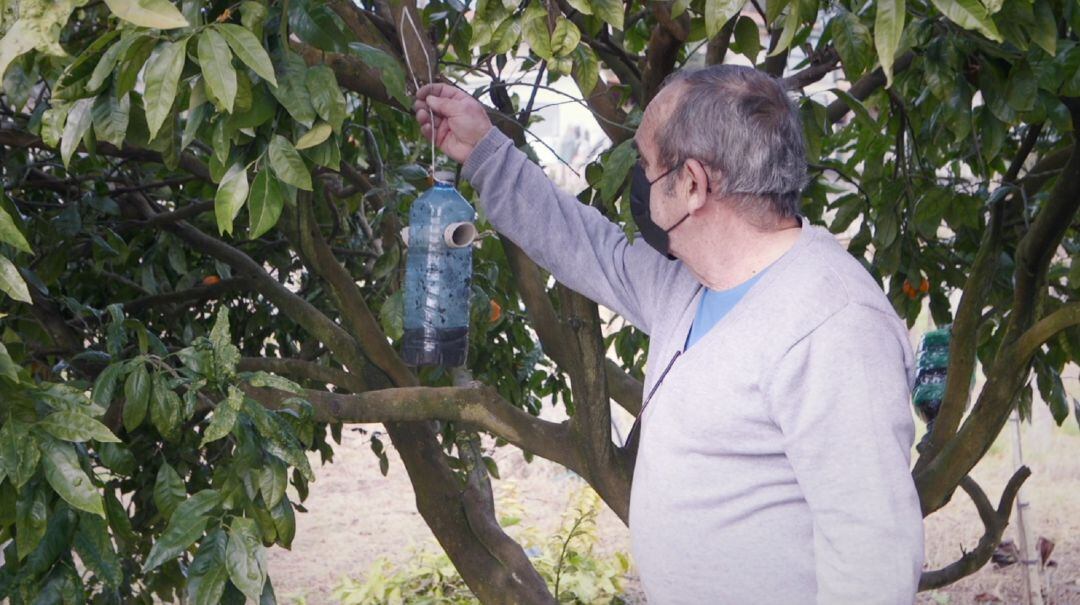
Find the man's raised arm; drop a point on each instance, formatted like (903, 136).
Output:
(580, 247)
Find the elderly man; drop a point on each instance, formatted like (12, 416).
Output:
(774, 443)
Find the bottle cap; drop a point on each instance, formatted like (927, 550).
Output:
(444, 176)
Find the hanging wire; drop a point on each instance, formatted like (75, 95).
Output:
(405, 14)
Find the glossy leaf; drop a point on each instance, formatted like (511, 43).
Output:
(19, 452)
(136, 397)
(155, 14)
(68, 479)
(230, 197)
(888, 29)
(208, 574)
(215, 59)
(287, 164)
(248, 49)
(75, 426)
(162, 77)
(246, 558)
(264, 203)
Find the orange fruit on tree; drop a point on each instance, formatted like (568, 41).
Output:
(496, 312)
(210, 280)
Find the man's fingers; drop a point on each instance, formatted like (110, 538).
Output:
(442, 105)
(443, 129)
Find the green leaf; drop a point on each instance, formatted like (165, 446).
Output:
(719, 12)
(215, 58)
(224, 416)
(132, 62)
(19, 453)
(207, 574)
(773, 8)
(393, 76)
(137, 396)
(9, 231)
(78, 427)
(94, 547)
(116, 458)
(582, 6)
(326, 95)
(107, 64)
(264, 203)
(8, 368)
(318, 133)
(609, 11)
(155, 14)
(534, 30)
(37, 26)
(586, 69)
(169, 490)
(969, 14)
(12, 283)
(249, 50)
(1044, 32)
(230, 197)
(245, 557)
(79, 120)
(291, 91)
(165, 407)
(67, 478)
(31, 518)
(288, 165)
(111, 118)
(182, 532)
(272, 481)
(747, 38)
(791, 26)
(284, 522)
(616, 166)
(162, 78)
(888, 29)
(854, 43)
(1022, 89)
(862, 115)
(105, 384)
(391, 315)
(565, 38)
(200, 503)
(266, 379)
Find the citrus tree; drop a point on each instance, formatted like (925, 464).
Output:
(202, 264)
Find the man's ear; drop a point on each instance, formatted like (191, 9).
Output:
(699, 186)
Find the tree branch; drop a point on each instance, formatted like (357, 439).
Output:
(478, 405)
(1010, 368)
(1048, 327)
(348, 298)
(668, 36)
(189, 296)
(352, 73)
(866, 86)
(995, 523)
(18, 139)
(304, 371)
(718, 45)
(340, 343)
(823, 65)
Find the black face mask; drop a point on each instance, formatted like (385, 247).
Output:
(640, 190)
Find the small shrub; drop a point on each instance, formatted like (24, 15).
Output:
(566, 561)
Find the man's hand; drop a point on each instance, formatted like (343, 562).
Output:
(460, 120)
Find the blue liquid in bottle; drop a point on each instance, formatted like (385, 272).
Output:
(438, 271)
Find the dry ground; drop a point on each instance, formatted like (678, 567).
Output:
(357, 515)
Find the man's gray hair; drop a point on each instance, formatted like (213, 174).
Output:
(740, 122)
